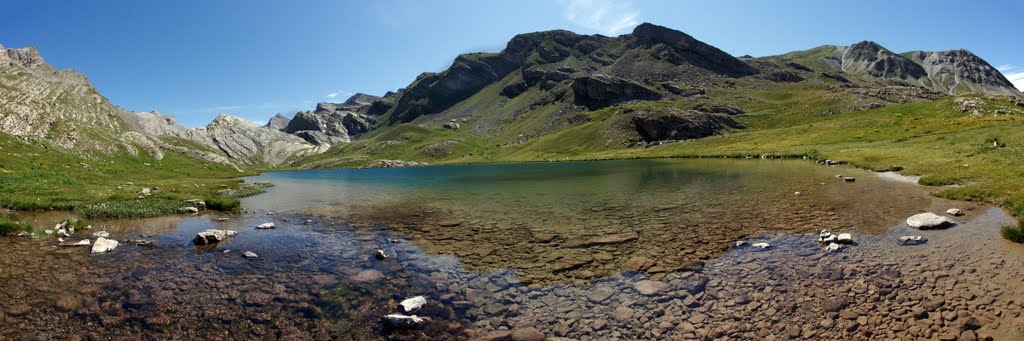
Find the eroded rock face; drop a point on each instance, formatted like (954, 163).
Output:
(600, 90)
(674, 124)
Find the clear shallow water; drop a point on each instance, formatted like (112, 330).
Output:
(559, 247)
(572, 222)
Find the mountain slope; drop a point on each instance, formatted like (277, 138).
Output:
(953, 72)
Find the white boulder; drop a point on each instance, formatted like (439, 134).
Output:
(250, 254)
(402, 321)
(213, 236)
(104, 245)
(191, 210)
(740, 243)
(844, 238)
(929, 220)
(833, 247)
(956, 212)
(103, 234)
(761, 245)
(411, 304)
(266, 226)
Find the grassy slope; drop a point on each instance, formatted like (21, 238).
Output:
(36, 176)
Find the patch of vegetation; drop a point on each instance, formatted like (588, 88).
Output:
(11, 224)
(77, 223)
(1013, 233)
(141, 208)
(242, 191)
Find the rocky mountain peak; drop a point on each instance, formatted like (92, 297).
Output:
(692, 50)
(27, 57)
(960, 71)
(868, 57)
(361, 99)
(278, 122)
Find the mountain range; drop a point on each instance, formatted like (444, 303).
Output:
(583, 92)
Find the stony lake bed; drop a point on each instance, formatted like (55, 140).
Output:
(640, 249)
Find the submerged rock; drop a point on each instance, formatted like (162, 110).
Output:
(412, 304)
(402, 321)
(104, 245)
(929, 220)
(380, 255)
(250, 255)
(912, 240)
(102, 234)
(650, 288)
(83, 242)
(833, 247)
(213, 236)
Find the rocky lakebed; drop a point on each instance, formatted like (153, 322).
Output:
(642, 249)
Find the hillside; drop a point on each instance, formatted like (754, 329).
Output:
(64, 146)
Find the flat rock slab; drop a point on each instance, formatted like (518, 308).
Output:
(650, 288)
(925, 221)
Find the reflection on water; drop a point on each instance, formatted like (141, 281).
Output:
(601, 250)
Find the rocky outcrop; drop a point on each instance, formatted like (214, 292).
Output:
(673, 124)
(333, 123)
(599, 91)
(243, 140)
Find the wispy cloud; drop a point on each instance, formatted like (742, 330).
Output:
(337, 93)
(609, 17)
(1015, 74)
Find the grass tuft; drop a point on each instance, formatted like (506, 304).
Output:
(1013, 233)
(11, 224)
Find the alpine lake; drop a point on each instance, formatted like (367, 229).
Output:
(631, 249)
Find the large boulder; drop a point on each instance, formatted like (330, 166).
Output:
(925, 221)
(600, 90)
(673, 124)
(104, 245)
(212, 236)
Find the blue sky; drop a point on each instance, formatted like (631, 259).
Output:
(196, 59)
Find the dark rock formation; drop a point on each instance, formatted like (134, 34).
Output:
(599, 91)
(674, 124)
